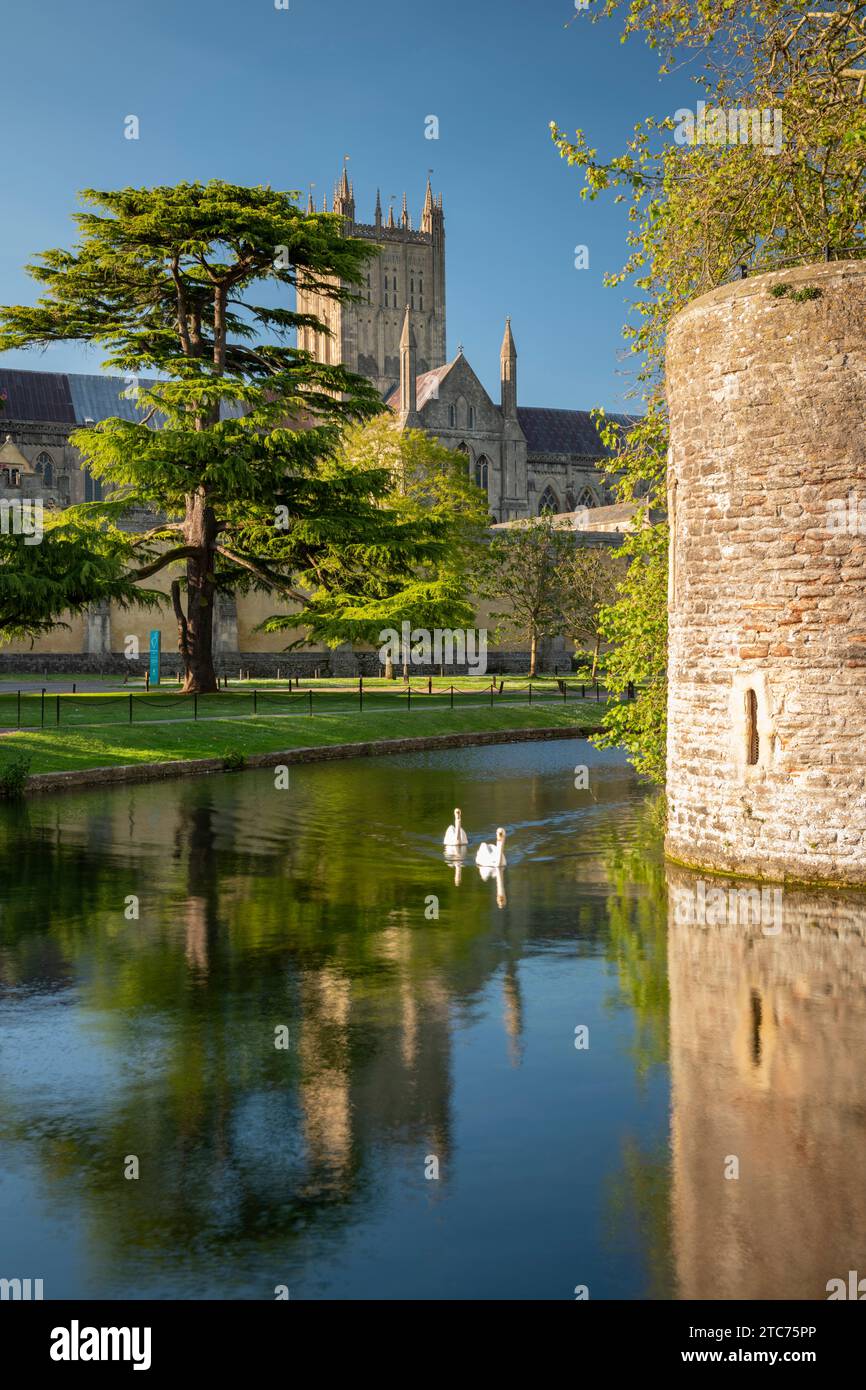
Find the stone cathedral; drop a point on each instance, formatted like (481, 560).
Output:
(528, 459)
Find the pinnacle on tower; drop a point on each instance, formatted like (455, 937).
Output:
(391, 222)
(404, 216)
(408, 370)
(508, 372)
(378, 217)
(310, 207)
(427, 213)
(324, 202)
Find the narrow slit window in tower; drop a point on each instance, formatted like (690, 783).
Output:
(752, 740)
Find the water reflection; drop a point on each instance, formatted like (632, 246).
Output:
(285, 1035)
(767, 1027)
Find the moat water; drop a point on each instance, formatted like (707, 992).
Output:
(325, 1087)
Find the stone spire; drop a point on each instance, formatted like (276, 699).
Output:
(508, 373)
(378, 218)
(344, 197)
(427, 213)
(404, 215)
(310, 207)
(391, 222)
(408, 370)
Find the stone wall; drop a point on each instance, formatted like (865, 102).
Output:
(767, 722)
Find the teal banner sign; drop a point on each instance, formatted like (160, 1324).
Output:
(155, 649)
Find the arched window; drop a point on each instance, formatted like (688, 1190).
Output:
(586, 498)
(481, 472)
(472, 417)
(452, 420)
(548, 502)
(45, 467)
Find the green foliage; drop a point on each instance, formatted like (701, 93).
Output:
(699, 211)
(14, 771)
(402, 547)
(234, 760)
(176, 282)
(81, 559)
(523, 567)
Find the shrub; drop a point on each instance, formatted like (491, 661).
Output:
(14, 772)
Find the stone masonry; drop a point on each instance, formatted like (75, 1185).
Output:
(767, 593)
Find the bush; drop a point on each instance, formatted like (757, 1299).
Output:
(234, 760)
(14, 772)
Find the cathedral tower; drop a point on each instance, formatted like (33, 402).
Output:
(409, 274)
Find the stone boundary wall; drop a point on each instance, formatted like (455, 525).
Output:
(155, 772)
(263, 664)
(767, 589)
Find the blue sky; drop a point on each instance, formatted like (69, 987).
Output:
(238, 90)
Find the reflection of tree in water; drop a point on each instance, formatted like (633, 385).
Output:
(637, 917)
(243, 1147)
(638, 1196)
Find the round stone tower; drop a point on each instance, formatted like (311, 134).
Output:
(766, 382)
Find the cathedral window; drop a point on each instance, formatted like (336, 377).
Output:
(586, 498)
(45, 467)
(472, 417)
(481, 472)
(548, 502)
(452, 418)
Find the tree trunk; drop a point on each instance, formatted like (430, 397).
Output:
(195, 630)
(533, 654)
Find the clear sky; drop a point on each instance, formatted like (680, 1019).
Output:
(239, 90)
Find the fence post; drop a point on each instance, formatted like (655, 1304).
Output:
(58, 709)
(583, 692)
(360, 692)
(491, 694)
(530, 692)
(564, 691)
(130, 706)
(429, 685)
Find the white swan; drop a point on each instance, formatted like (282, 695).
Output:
(492, 856)
(455, 835)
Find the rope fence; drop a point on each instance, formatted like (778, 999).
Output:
(47, 709)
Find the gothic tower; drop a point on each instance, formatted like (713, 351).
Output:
(409, 273)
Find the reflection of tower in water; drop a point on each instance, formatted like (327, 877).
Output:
(766, 1034)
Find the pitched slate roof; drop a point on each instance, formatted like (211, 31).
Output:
(426, 386)
(564, 431)
(36, 396)
(70, 398)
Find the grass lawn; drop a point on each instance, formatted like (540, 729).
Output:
(95, 744)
